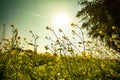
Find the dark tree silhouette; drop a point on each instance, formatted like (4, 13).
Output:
(102, 19)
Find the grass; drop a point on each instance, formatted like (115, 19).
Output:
(64, 62)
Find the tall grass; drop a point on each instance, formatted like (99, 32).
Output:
(68, 59)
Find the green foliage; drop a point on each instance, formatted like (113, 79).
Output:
(100, 18)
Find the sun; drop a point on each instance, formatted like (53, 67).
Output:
(61, 20)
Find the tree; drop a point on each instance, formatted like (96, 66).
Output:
(101, 19)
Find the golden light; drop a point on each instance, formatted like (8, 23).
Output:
(61, 20)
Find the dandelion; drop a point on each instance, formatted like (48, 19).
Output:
(73, 24)
(113, 27)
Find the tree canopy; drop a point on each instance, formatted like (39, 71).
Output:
(102, 19)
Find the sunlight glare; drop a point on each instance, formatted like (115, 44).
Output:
(61, 20)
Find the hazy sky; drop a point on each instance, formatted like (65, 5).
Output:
(35, 15)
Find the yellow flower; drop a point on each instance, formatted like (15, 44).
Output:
(114, 36)
(16, 30)
(113, 27)
(24, 39)
(111, 71)
(30, 31)
(83, 53)
(47, 27)
(12, 39)
(100, 32)
(89, 55)
(110, 39)
(73, 31)
(73, 24)
(12, 25)
(19, 37)
(102, 65)
(118, 46)
(60, 30)
(90, 31)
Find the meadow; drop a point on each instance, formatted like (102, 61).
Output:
(63, 59)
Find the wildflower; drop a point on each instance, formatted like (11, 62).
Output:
(73, 24)
(89, 55)
(16, 30)
(73, 31)
(113, 27)
(47, 27)
(118, 46)
(110, 39)
(95, 44)
(79, 45)
(57, 41)
(46, 37)
(100, 32)
(30, 31)
(114, 36)
(90, 31)
(58, 74)
(19, 37)
(65, 37)
(24, 39)
(12, 25)
(60, 30)
(102, 65)
(83, 53)
(111, 71)
(46, 47)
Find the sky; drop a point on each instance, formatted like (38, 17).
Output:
(35, 15)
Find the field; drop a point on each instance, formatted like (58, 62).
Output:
(64, 62)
